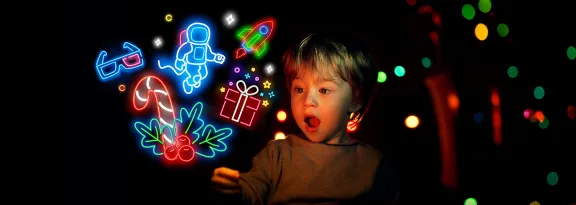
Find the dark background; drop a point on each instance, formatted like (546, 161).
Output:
(113, 167)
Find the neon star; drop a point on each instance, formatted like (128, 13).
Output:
(267, 84)
(253, 69)
(265, 103)
(222, 89)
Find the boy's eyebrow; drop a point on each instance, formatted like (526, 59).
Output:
(327, 79)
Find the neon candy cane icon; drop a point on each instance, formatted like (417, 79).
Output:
(152, 86)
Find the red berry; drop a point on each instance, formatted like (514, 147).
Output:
(171, 153)
(186, 153)
(182, 140)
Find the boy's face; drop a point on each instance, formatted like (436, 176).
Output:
(321, 106)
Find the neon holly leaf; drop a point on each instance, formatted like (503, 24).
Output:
(191, 121)
(212, 139)
(151, 135)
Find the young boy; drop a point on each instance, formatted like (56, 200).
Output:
(328, 78)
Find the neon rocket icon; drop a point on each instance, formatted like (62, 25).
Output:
(255, 39)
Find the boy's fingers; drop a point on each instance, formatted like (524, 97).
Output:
(227, 172)
(225, 183)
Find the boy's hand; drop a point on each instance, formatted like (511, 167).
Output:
(225, 180)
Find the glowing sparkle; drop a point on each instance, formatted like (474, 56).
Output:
(168, 18)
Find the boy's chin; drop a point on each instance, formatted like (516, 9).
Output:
(315, 139)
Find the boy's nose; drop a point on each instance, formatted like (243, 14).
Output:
(311, 100)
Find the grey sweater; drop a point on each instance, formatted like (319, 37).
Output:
(297, 171)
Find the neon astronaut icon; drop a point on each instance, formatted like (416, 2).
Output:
(192, 56)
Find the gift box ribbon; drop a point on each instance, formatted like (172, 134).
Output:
(244, 93)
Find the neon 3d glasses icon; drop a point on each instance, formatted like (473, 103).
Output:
(132, 60)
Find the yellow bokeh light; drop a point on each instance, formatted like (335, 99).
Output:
(481, 32)
(535, 203)
(412, 121)
(279, 136)
(281, 116)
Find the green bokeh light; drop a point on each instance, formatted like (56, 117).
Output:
(484, 6)
(468, 11)
(399, 71)
(552, 178)
(381, 77)
(571, 52)
(470, 201)
(426, 62)
(544, 124)
(512, 72)
(503, 30)
(539, 92)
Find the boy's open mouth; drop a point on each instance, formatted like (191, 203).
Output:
(312, 122)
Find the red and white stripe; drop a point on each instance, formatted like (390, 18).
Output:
(152, 86)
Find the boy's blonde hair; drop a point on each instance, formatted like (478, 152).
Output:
(346, 58)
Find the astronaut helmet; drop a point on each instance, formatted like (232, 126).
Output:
(198, 33)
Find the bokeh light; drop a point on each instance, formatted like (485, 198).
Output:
(279, 136)
(470, 201)
(512, 72)
(481, 32)
(484, 6)
(453, 101)
(539, 92)
(412, 121)
(411, 2)
(468, 11)
(426, 62)
(571, 112)
(552, 178)
(503, 30)
(544, 124)
(535, 203)
(495, 98)
(399, 71)
(538, 116)
(281, 116)
(571, 52)
(478, 118)
(382, 77)
(528, 113)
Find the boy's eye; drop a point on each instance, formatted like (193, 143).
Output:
(324, 91)
(299, 90)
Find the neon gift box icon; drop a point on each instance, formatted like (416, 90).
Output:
(239, 105)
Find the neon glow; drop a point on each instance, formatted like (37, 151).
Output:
(152, 87)
(192, 56)
(110, 69)
(351, 126)
(208, 140)
(236, 100)
(255, 39)
(266, 93)
(151, 135)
